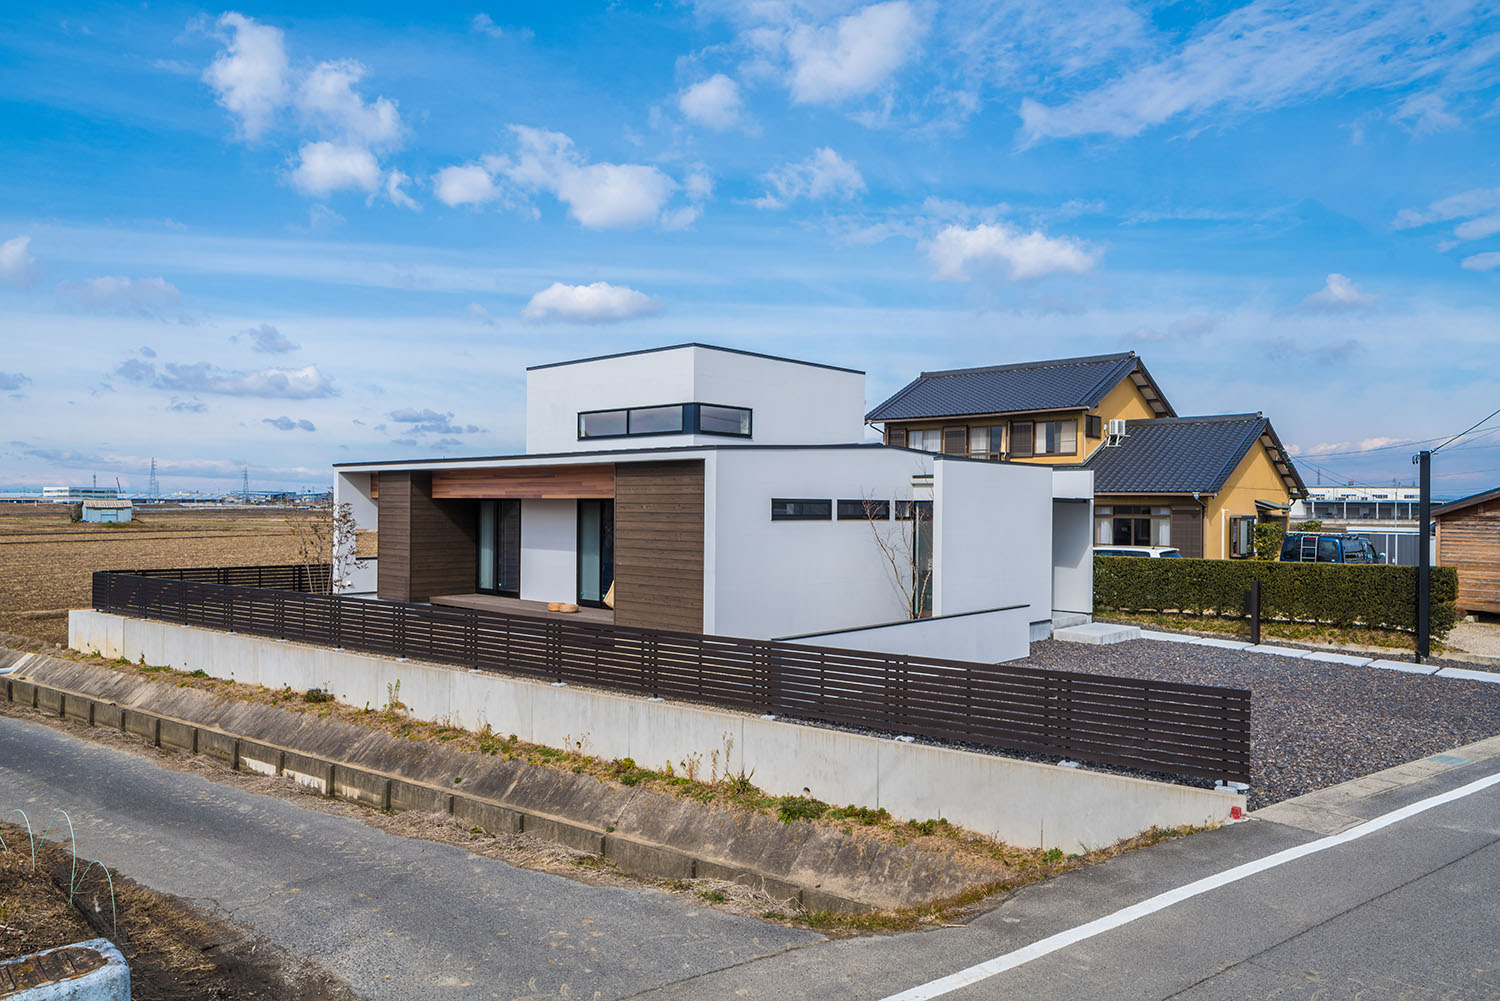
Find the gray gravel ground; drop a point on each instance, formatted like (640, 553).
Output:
(1312, 724)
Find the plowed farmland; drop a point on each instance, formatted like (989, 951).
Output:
(46, 561)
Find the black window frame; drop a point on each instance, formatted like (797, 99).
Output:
(692, 422)
(825, 515)
(857, 511)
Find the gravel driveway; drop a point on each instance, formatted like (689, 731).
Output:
(1312, 724)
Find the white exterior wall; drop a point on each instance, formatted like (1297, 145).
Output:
(767, 578)
(992, 537)
(354, 489)
(1073, 541)
(792, 403)
(549, 550)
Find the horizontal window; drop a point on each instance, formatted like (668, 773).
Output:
(928, 440)
(676, 418)
(602, 424)
(713, 419)
(655, 420)
(874, 510)
(906, 510)
(1056, 437)
(801, 509)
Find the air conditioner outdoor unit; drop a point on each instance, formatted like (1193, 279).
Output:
(1117, 428)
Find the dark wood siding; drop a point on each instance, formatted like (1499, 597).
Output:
(427, 546)
(1469, 540)
(659, 545)
(1187, 530)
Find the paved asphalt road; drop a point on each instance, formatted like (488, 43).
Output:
(397, 918)
(1408, 912)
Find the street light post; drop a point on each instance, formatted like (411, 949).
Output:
(1423, 462)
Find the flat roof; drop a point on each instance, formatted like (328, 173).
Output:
(605, 453)
(695, 344)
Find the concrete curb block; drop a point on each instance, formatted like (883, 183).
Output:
(1488, 677)
(1402, 666)
(385, 792)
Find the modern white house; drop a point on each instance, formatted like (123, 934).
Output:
(711, 490)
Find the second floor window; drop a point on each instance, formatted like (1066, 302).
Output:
(1044, 438)
(928, 439)
(678, 418)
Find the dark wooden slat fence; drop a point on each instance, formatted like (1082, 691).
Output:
(1188, 730)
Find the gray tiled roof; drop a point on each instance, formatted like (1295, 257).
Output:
(1058, 384)
(1174, 455)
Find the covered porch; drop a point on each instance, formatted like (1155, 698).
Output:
(523, 606)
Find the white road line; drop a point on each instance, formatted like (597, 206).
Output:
(1053, 943)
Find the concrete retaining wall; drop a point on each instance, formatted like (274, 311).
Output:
(1019, 802)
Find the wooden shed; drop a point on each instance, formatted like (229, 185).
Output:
(1468, 538)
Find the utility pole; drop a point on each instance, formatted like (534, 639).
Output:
(1423, 462)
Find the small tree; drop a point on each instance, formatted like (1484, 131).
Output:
(328, 541)
(899, 545)
(1308, 526)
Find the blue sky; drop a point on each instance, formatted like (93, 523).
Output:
(283, 239)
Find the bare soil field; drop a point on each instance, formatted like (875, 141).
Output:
(46, 560)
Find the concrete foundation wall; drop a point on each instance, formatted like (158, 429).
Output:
(1019, 802)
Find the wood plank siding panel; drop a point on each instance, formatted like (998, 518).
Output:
(427, 544)
(1469, 541)
(659, 545)
(1187, 531)
(534, 483)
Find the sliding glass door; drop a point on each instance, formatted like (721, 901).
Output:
(596, 550)
(500, 548)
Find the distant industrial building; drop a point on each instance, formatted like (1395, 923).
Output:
(1387, 516)
(73, 495)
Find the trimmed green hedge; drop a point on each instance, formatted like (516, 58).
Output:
(1337, 594)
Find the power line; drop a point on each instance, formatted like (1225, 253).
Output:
(1466, 430)
(1406, 444)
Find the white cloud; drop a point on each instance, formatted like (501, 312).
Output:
(854, 56)
(268, 340)
(485, 24)
(1426, 114)
(329, 102)
(1488, 261)
(1476, 229)
(394, 180)
(598, 195)
(17, 266)
(201, 377)
(1258, 57)
(466, 185)
(1339, 292)
(479, 314)
(284, 423)
(325, 167)
(596, 303)
(254, 81)
(250, 76)
(960, 254)
(714, 102)
(110, 293)
(824, 174)
(1465, 204)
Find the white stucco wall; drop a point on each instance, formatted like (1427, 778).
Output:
(992, 536)
(988, 637)
(1072, 556)
(792, 402)
(549, 550)
(354, 489)
(767, 578)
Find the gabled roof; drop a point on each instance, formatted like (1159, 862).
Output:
(1470, 501)
(1178, 455)
(1058, 384)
